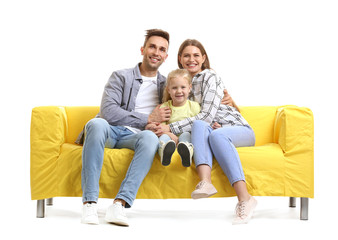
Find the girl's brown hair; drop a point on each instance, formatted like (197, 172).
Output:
(195, 43)
(173, 74)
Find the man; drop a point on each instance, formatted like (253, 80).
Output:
(129, 102)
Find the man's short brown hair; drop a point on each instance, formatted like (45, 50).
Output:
(156, 32)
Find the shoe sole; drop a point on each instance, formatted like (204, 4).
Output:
(117, 222)
(168, 151)
(202, 195)
(184, 153)
(90, 222)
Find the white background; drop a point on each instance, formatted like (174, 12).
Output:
(267, 52)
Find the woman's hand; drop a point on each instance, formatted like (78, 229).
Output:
(216, 125)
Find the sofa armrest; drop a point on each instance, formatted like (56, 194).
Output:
(294, 132)
(48, 133)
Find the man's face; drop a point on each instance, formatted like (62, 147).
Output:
(154, 53)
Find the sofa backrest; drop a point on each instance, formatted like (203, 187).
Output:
(260, 118)
(262, 121)
(77, 117)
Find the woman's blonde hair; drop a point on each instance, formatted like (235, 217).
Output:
(173, 74)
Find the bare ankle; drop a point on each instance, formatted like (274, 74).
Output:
(241, 191)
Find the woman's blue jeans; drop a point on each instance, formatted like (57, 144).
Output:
(222, 144)
(98, 135)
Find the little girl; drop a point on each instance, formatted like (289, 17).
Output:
(175, 96)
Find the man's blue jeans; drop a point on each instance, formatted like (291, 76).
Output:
(222, 144)
(98, 135)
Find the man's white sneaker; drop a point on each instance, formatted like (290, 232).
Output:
(115, 214)
(185, 150)
(89, 214)
(244, 211)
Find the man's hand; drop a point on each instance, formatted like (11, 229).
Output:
(159, 114)
(227, 100)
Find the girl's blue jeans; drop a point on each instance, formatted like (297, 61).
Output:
(98, 135)
(184, 137)
(221, 143)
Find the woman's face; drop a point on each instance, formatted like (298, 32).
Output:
(192, 59)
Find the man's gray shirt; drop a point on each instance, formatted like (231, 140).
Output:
(119, 95)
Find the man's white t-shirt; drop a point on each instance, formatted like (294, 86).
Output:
(147, 98)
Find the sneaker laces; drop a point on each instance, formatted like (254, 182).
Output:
(120, 209)
(201, 184)
(91, 210)
(240, 209)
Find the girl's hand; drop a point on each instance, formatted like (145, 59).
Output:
(173, 137)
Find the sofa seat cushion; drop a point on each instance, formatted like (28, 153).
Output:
(263, 167)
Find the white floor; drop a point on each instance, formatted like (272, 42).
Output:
(171, 219)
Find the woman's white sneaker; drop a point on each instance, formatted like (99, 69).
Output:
(203, 189)
(244, 211)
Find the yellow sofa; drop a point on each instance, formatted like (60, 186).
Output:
(280, 164)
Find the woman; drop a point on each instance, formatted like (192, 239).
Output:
(216, 131)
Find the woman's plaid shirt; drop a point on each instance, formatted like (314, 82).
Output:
(207, 90)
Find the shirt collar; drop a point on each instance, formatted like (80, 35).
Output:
(137, 72)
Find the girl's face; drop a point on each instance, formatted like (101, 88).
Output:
(178, 89)
(192, 59)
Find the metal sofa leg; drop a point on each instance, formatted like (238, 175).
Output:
(292, 202)
(40, 208)
(304, 208)
(49, 202)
